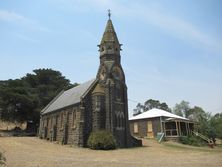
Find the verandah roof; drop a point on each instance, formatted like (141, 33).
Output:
(156, 113)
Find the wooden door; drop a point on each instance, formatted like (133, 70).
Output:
(149, 129)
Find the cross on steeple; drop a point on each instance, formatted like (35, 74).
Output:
(109, 13)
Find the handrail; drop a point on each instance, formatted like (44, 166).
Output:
(161, 137)
(203, 137)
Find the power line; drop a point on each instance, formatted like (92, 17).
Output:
(133, 101)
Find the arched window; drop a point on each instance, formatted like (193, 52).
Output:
(51, 122)
(56, 121)
(74, 118)
(61, 120)
(47, 122)
(117, 120)
(120, 121)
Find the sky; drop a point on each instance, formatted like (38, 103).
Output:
(172, 50)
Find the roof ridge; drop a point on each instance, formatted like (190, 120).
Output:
(54, 99)
(86, 92)
(150, 114)
(69, 97)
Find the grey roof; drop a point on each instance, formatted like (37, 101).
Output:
(68, 97)
(155, 112)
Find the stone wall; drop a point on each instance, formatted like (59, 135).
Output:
(142, 127)
(61, 126)
(86, 119)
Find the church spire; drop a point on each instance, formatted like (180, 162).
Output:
(109, 43)
(109, 34)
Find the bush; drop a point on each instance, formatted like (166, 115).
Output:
(2, 159)
(184, 140)
(101, 140)
(192, 140)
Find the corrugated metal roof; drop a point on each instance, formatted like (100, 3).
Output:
(156, 113)
(68, 97)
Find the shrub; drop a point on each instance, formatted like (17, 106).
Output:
(184, 140)
(2, 159)
(101, 140)
(192, 140)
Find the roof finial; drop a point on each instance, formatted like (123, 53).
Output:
(109, 13)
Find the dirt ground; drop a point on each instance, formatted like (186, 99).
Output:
(33, 152)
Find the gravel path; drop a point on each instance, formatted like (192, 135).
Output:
(33, 152)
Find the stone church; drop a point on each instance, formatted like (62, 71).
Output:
(98, 104)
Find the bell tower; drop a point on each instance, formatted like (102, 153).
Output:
(109, 49)
(109, 98)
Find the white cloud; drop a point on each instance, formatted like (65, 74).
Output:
(13, 17)
(156, 16)
(180, 28)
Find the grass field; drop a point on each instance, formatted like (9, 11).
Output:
(33, 152)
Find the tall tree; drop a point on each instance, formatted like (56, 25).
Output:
(198, 115)
(46, 84)
(182, 109)
(150, 104)
(216, 124)
(22, 99)
(195, 113)
(138, 110)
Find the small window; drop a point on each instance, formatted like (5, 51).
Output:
(56, 120)
(120, 121)
(47, 122)
(51, 122)
(74, 118)
(43, 122)
(135, 127)
(61, 120)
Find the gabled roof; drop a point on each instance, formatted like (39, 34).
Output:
(156, 113)
(69, 97)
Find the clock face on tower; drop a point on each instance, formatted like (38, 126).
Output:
(102, 74)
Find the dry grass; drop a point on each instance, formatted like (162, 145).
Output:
(33, 152)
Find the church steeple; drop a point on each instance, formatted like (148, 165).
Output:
(109, 44)
(109, 97)
(109, 35)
